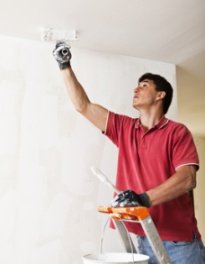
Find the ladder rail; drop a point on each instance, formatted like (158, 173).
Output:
(137, 214)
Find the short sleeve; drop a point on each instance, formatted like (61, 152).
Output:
(184, 149)
(114, 122)
(118, 126)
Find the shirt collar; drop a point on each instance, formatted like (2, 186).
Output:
(162, 123)
(137, 123)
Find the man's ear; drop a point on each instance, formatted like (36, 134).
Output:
(161, 95)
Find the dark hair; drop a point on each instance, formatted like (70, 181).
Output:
(161, 85)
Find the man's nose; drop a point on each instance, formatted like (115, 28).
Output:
(137, 88)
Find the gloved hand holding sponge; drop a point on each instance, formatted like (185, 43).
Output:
(129, 198)
(62, 54)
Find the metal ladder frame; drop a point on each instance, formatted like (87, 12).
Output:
(142, 216)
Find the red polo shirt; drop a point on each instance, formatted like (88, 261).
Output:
(147, 159)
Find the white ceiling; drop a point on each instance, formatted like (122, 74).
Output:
(166, 30)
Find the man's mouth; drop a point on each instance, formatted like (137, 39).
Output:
(135, 95)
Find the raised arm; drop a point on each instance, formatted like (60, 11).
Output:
(93, 112)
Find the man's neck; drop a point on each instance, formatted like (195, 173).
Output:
(150, 120)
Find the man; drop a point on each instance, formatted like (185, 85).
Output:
(157, 161)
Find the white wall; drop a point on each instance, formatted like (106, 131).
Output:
(48, 196)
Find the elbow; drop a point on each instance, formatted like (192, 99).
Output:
(191, 182)
(193, 186)
(188, 174)
(82, 105)
(81, 108)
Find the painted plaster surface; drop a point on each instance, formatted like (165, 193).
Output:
(48, 196)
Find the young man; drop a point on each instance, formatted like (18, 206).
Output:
(157, 161)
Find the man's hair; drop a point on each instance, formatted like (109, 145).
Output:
(161, 85)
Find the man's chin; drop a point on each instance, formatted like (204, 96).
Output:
(135, 106)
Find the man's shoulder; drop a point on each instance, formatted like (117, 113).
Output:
(177, 126)
(122, 117)
(175, 123)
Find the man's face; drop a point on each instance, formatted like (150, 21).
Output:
(145, 95)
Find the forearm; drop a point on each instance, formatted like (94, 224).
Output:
(76, 92)
(95, 113)
(179, 183)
